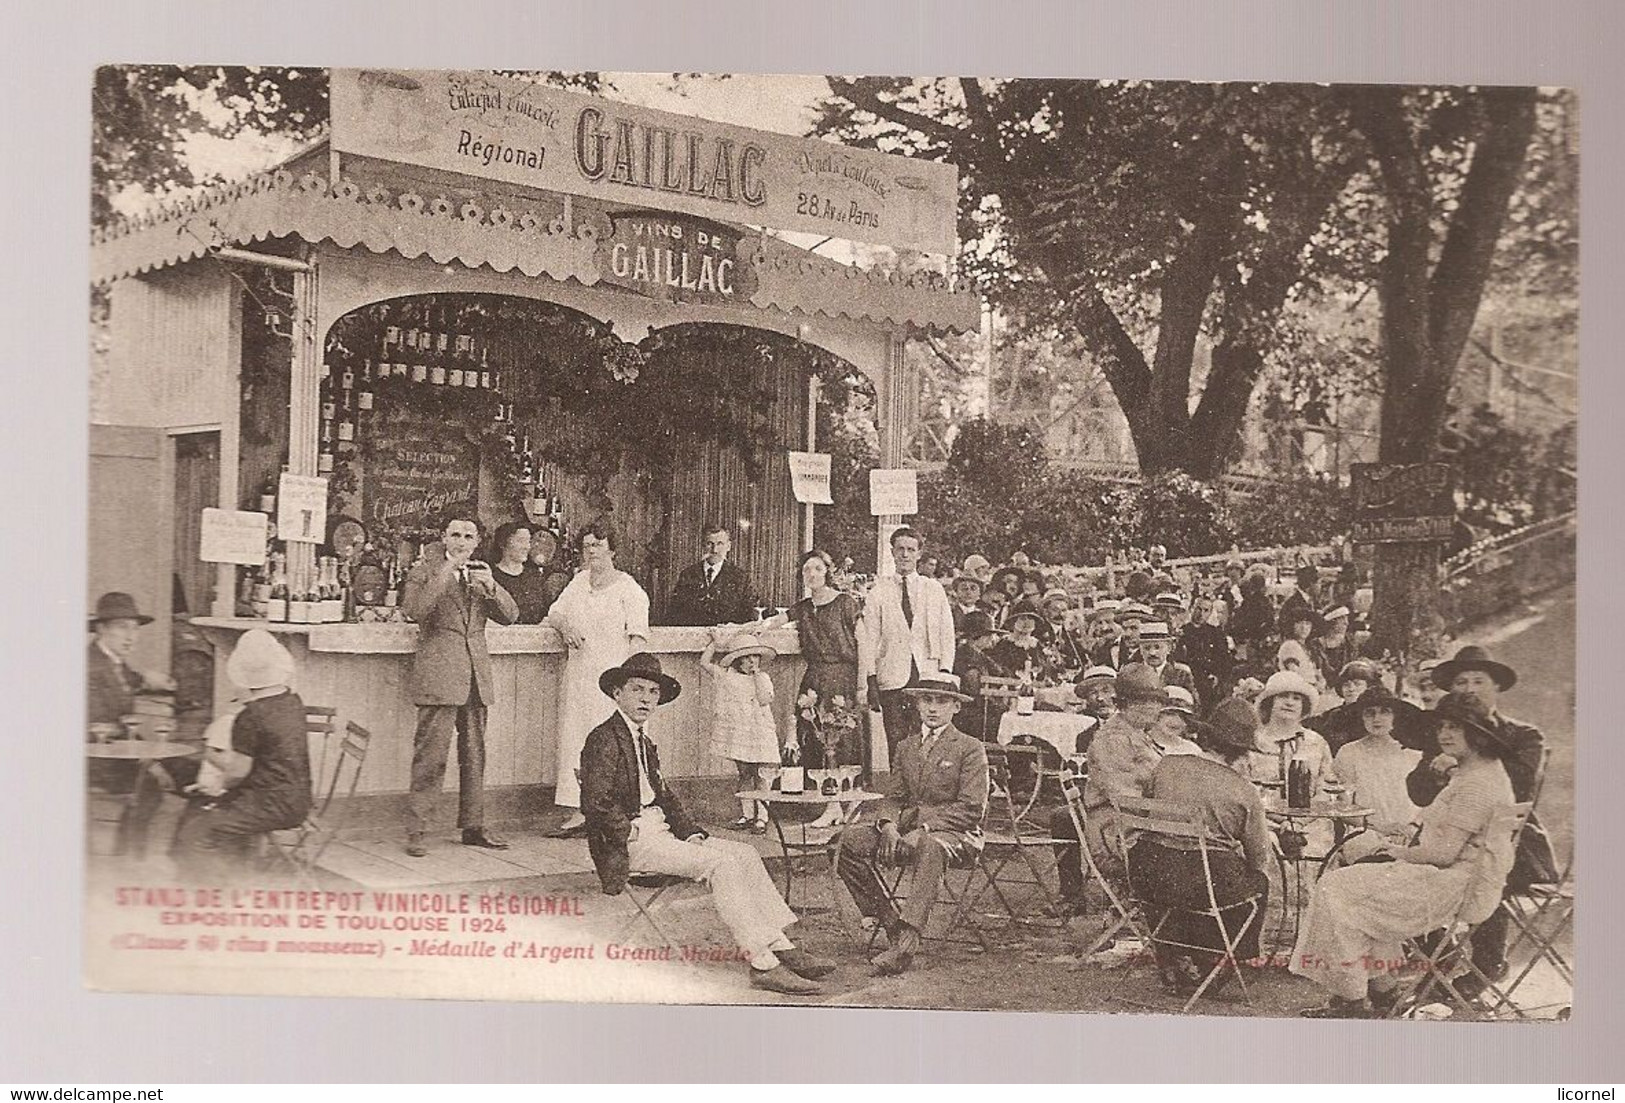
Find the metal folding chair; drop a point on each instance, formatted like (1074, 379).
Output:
(949, 896)
(1170, 819)
(646, 891)
(1439, 956)
(1121, 913)
(1004, 845)
(301, 848)
(1542, 916)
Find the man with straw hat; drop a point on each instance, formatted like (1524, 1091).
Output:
(636, 822)
(941, 797)
(216, 834)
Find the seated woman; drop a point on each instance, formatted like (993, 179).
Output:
(1024, 646)
(1360, 915)
(1375, 765)
(1167, 872)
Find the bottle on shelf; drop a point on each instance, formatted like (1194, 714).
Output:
(268, 496)
(276, 605)
(485, 369)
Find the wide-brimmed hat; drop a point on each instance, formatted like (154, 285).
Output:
(259, 661)
(1287, 681)
(1138, 682)
(1096, 676)
(744, 644)
(1379, 696)
(1232, 724)
(641, 665)
(1180, 700)
(1363, 669)
(1473, 657)
(940, 684)
(117, 605)
(1469, 713)
(977, 623)
(1155, 631)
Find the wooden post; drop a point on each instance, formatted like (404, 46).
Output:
(893, 410)
(304, 407)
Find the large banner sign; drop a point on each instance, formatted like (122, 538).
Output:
(544, 137)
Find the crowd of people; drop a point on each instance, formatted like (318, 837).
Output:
(1211, 690)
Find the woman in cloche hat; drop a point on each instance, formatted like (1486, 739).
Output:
(1171, 879)
(1361, 914)
(743, 728)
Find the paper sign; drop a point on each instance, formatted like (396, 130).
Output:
(893, 492)
(233, 536)
(301, 509)
(809, 478)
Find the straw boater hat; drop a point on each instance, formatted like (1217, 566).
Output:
(1467, 712)
(974, 563)
(1134, 609)
(1180, 701)
(1096, 676)
(1232, 724)
(940, 684)
(1055, 593)
(1363, 669)
(641, 665)
(1103, 606)
(1169, 599)
(1138, 682)
(1155, 631)
(1473, 657)
(117, 605)
(259, 661)
(745, 644)
(1287, 681)
(1336, 613)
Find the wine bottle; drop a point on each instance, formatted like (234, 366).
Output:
(276, 606)
(792, 776)
(268, 496)
(1026, 695)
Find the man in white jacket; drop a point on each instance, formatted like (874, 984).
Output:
(907, 632)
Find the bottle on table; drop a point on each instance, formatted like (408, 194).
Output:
(1300, 783)
(792, 776)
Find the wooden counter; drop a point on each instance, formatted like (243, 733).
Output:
(362, 670)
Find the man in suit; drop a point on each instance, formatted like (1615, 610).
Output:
(941, 797)
(1475, 674)
(1066, 640)
(1125, 649)
(635, 822)
(451, 597)
(967, 594)
(1156, 644)
(1304, 599)
(111, 684)
(712, 591)
(907, 632)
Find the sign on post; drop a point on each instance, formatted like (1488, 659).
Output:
(233, 536)
(893, 491)
(301, 509)
(1403, 503)
(809, 478)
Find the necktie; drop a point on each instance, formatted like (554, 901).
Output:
(908, 606)
(646, 788)
(122, 672)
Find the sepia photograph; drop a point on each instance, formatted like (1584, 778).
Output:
(1089, 546)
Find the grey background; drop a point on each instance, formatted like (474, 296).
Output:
(52, 1031)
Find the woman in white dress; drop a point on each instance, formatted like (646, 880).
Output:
(1360, 915)
(603, 615)
(1374, 767)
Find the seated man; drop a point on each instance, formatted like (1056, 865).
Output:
(111, 684)
(216, 832)
(635, 822)
(942, 780)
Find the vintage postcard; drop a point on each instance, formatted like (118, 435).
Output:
(962, 543)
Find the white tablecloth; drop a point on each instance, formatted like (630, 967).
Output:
(1059, 729)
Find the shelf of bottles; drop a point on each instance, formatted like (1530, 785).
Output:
(412, 353)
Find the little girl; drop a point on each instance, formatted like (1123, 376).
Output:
(742, 724)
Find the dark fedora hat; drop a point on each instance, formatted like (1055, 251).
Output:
(1473, 657)
(1469, 713)
(1233, 724)
(641, 665)
(117, 605)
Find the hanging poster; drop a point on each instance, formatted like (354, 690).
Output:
(809, 478)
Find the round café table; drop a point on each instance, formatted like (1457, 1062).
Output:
(142, 751)
(1294, 899)
(799, 850)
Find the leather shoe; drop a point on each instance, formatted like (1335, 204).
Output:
(576, 832)
(415, 847)
(781, 979)
(803, 964)
(479, 836)
(893, 962)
